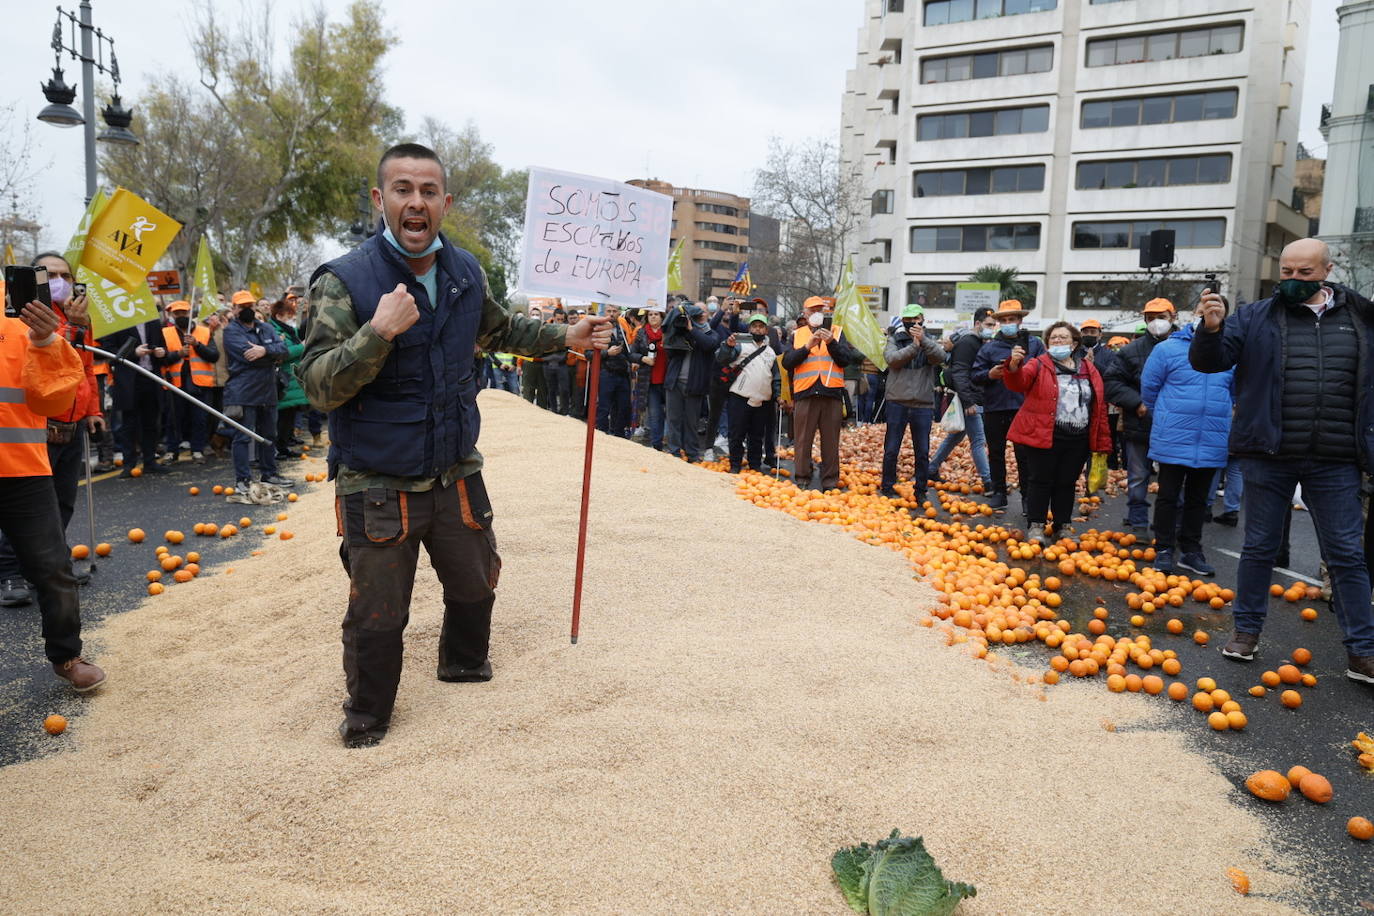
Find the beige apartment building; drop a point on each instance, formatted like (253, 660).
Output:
(715, 226)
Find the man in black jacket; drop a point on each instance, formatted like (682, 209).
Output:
(613, 400)
(958, 375)
(1304, 362)
(137, 397)
(1121, 381)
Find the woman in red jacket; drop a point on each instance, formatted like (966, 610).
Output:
(1063, 419)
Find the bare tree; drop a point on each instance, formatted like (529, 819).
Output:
(818, 200)
(1354, 260)
(17, 169)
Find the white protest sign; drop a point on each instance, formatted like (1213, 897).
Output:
(596, 239)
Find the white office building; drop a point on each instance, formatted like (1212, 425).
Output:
(1347, 219)
(1051, 135)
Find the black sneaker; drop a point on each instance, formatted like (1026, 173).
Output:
(1229, 519)
(466, 675)
(934, 477)
(1196, 562)
(1360, 668)
(1242, 646)
(152, 467)
(1164, 561)
(367, 738)
(15, 593)
(998, 500)
(890, 493)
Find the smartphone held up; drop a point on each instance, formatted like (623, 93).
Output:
(24, 285)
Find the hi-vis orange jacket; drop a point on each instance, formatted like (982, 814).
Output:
(35, 383)
(202, 372)
(817, 367)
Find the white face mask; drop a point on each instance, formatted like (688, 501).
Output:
(815, 319)
(1159, 326)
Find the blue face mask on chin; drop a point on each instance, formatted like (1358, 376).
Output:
(391, 239)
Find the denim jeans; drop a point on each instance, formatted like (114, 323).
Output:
(1332, 493)
(506, 380)
(613, 404)
(977, 443)
(1137, 483)
(684, 411)
(1235, 486)
(263, 421)
(656, 407)
(900, 418)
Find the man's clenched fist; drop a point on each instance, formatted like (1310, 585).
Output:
(396, 312)
(1213, 310)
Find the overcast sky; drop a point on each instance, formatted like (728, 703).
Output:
(688, 91)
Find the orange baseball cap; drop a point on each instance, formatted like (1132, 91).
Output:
(243, 297)
(1091, 323)
(1155, 306)
(181, 305)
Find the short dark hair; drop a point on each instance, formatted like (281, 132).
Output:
(980, 313)
(49, 254)
(1073, 331)
(411, 151)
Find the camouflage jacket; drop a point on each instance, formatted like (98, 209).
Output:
(341, 357)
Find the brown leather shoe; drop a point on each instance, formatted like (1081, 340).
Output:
(1360, 668)
(1241, 648)
(81, 674)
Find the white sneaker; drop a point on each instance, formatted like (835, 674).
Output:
(197, 456)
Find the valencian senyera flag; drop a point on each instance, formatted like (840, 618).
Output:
(743, 285)
(853, 315)
(675, 267)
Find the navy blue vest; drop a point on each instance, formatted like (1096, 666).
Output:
(418, 417)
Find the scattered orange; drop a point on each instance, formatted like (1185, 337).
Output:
(80, 552)
(1218, 721)
(194, 491)
(193, 568)
(1269, 785)
(1174, 626)
(292, 497)
(103, 549)
(136, 472)
(1203, 702)
(1291, 698)
(154, 574)
(228, 531)
(1296, 773)
(286, 536)
(1206, 684)
(217, 490)
(1302, 656)
(1178, 692)
(193, 557)
(1315, 788)
(245, 522)
(281, 516)
(55, 724)
(155, 588)
(170, 563)
(1360, 828)
(136, 535)
(1309, 680)
(1289, 674)
(1200, 637)
(1308, 614)
(1236, 719)
(1271, 679)
(182, 575)
(174, 537)
(1171, 666)
(1258, 690)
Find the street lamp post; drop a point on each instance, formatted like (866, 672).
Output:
(60, 96)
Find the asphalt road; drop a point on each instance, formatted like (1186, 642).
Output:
(29, 691)
(1317, 735)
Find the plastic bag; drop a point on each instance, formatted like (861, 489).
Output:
(953, 419)
(1097, 472)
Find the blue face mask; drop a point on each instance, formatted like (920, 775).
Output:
(1060, 351)
(1009, 330)
(391, 239)
(987, 333)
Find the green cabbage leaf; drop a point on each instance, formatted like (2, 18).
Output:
(895, 877)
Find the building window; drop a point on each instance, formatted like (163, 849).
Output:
(718, 209)
(942, 12)
(1124, 294)
(1160, 109)
(930, 295)
(1001, 179)
(1156, 46)
(989, 122)
(987, 64)
(1155, 172)
(896, 6)
(718, 227)
(999, 237)
(1188, 233)
(717, 246)
(884, 251)
(882, 202)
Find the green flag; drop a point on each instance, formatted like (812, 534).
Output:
(853, 315)
(675, 267)
(111, 306)
(78, 243)
(203, 284)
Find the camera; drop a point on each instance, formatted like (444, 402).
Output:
(78, 289)
(24, 285)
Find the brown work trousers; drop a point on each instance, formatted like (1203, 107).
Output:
(823, 413)
(382, 531)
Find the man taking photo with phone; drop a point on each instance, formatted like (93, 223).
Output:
(40, 374)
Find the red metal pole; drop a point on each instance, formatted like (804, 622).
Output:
(593, 386)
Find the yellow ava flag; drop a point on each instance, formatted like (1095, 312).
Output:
(126, 238)
(112, 306)
(9, 253)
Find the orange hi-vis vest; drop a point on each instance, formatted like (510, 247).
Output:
(818, 366)
(35, 383)
(202, 373)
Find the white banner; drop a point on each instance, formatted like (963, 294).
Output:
(596, 239)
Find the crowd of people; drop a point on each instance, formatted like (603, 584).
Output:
(1274, 399)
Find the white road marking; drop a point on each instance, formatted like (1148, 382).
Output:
(1279, 569)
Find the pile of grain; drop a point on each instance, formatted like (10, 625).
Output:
(750, 693)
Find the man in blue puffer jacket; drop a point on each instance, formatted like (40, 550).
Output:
(1192, 423)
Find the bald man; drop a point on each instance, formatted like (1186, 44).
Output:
(1304, 361)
